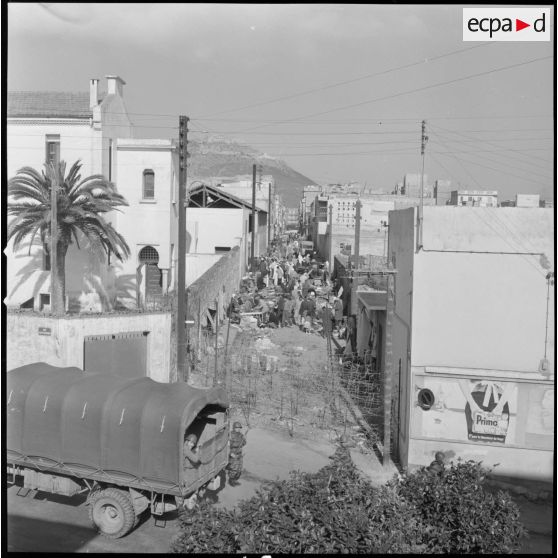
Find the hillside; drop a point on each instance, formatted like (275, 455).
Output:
(216, 157)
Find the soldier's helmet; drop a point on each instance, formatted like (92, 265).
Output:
(237, 426)
(192, 438)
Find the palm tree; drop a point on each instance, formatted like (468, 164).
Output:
(80, 205)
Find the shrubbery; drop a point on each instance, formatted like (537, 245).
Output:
(336, 511)
(461, 515)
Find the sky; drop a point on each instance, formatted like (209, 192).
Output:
(336, 91)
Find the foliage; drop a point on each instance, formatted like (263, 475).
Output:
(460, 514)
(331, 511)
(337, 511)
(80, 206)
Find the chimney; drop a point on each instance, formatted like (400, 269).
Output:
(93, 93)
(115, 85)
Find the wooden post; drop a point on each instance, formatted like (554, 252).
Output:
(181, 332)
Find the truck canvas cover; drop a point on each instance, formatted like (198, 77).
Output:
(100, 426)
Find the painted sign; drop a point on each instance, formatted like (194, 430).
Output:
(45, 331)
(491, 412)
(487, 411)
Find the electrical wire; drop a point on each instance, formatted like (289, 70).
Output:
(416, 90)
(346, 82)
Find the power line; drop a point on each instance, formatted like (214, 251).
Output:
(346, 82)
(488, 142)
(500, 171)
(481, 155)
(417, 90)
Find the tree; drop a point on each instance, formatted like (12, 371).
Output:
(80, 206)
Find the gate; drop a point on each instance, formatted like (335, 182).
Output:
(121, 354)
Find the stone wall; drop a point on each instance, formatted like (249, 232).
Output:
(33, 337)
(210, 292)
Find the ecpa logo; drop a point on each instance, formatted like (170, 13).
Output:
(506, 24)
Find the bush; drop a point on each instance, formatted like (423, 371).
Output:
(460, 514)
(337, 511)
(331, 511)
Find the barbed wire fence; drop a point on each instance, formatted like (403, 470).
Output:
(339, 394)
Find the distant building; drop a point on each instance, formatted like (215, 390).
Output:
(472, 339)
(442, 192)
(527, 200)
(474, 198)
(546, 203)
(292, 218)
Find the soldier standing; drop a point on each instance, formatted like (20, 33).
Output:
(237, 442)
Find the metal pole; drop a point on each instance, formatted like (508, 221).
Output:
(54, 303)
(354, 301)
(228, 372)
(252, 248)
(423, 140)
(181, 332)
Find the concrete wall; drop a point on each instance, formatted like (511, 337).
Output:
(209, 227)
(64, 346)
(479, 311)
(198, 264)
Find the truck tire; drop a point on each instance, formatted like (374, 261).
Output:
(112, 512)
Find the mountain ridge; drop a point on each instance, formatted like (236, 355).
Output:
(217, 157)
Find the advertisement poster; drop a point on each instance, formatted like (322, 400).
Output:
(480, 411)
(487, 410)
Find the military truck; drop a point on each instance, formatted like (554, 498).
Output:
(117, 439)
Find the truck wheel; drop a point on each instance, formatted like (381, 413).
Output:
(112, 512)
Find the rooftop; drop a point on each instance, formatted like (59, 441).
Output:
(45, 104)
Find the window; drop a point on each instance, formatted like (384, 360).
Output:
(148, 184)
(52, 144)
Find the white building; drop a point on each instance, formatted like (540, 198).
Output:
(473, 338)
(474, 198)
(47, 126)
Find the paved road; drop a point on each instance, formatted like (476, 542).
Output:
(44, 522)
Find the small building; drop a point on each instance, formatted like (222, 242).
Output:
(473, 338)
(216, 221)
(474, 198)
(527, 200)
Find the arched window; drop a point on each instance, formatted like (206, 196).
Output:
(148, 184)
(148, 254)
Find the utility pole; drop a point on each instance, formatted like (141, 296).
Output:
(269, 217)
(354, 301)
(423, 140)
(181, 332)
(253, 217)
(54, 302)
(331, 237)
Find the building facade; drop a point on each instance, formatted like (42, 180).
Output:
(474, 198)
(44, 127)
(473, 338)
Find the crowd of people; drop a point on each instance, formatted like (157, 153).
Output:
(290, 288)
